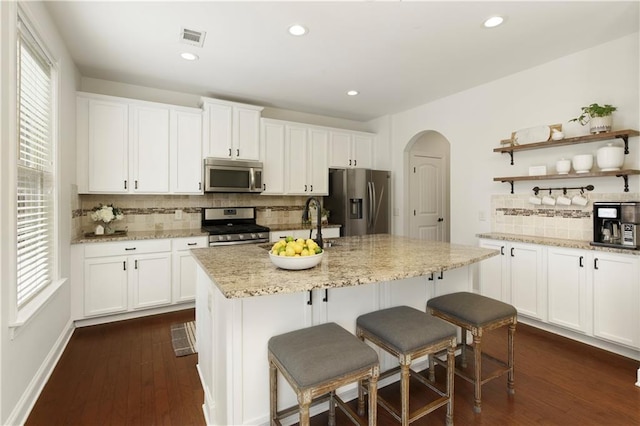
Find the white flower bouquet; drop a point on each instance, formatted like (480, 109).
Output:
(106, 214)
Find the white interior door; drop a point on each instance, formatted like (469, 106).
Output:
(426, 205)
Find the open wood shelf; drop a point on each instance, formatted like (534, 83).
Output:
(617, 173)
(618, 134)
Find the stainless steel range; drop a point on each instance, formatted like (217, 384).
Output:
(233, 225)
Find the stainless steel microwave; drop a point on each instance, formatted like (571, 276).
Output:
(232, 176)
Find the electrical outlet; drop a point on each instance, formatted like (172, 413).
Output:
(178, 215)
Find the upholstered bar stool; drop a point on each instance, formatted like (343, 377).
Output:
(316, 361)
(477, 314)
(408, 334)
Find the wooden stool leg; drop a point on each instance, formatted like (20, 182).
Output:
(432, 368)
(273, 393)
(477, 382)
(510, 363)
(451, 365)
(404, 392)
(361, 383)
(304, 400)
(373, 397)
(463, 352)
(332, 408)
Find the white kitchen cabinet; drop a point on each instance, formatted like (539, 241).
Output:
(149, 165)
(126, 276)
(616, 298)
(332, 232)
(515, 277)
(350, 149)
(105, 285)
(151, 280)
(494, 280)
(104, 127)
(231, 130)
(184, 267)
(127, 146)
(306, 160)
(272, 144)
(186, 151)
(568, 290)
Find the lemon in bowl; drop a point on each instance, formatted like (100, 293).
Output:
(294, 254)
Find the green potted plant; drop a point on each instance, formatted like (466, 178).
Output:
(598, 117)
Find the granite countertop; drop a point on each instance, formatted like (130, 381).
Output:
(246, 270)
(142, 235)
(556, 242)
(300, 225)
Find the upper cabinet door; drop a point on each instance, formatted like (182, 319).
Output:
(340, 149)
(108, 142)
(272, 148)
(362, 151)
(219, 130)
(186, 152)
(296, 155)
(246, 135)
(318, 167)
(150, 149)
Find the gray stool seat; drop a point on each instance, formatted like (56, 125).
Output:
(476, 313)
(406, 329)
(473, 308)
(316, 361)
(315, 355)
(408, 334)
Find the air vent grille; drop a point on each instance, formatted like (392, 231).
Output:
(192, 37)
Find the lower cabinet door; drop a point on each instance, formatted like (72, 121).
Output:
(184, 276)
(528, 290)
(616, 313)
(105, 289)
(151, 283)
(567, 288)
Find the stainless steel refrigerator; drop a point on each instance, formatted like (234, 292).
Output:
(359, 200)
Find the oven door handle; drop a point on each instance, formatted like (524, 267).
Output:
(231, 243)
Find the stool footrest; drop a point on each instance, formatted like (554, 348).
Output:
(502, 366)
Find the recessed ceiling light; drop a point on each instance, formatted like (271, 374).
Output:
(297, 30)
(189, 56)
(494, 21)
(352, 92)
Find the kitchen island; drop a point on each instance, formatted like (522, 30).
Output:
(242, 300)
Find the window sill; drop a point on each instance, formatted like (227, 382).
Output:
(31, 309)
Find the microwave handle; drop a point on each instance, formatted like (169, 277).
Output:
(252, 179)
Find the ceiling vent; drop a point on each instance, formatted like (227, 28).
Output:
(192, 37)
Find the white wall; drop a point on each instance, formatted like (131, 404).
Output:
(28, 357)
(474, 122)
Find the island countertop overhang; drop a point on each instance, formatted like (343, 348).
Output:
(246, 270)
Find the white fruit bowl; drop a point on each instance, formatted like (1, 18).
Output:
(296, 263)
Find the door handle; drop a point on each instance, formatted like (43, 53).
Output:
(502, 250)
(311, 186)
(595, 263)
(192, 244)
(580, 263)
(512, 255)
(135, 264)
(124, 265)
(326, 295)
(355, 163)
(238, 152)
(310, 301)
(135, 184)
(305, 188)
(440, 219)
(125, 184)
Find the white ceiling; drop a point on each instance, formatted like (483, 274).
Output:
(397, 54)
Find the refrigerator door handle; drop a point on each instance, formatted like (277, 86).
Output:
(372, 204)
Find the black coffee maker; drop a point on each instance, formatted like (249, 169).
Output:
(607, 221)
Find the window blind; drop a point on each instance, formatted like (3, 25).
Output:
(35, 212)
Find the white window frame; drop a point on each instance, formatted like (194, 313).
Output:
(19, 316)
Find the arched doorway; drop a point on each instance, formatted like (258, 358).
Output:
(428, 182)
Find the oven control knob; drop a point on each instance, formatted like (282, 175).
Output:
(241, 236)
(253, 236)
(220, 237)
(228, 237)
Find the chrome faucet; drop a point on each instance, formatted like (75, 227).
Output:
(305, 217)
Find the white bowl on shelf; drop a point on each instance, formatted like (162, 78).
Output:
(296, 263)
(610, 157)
(582, 163)
(563, 166)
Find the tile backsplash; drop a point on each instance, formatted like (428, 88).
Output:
(513, 214)
(157, 212)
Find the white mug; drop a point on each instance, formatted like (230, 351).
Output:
(563, 200)
(534, 199)
(548, 200)
(580, 200)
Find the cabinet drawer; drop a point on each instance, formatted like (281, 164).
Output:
(190, 243)
(126, 248)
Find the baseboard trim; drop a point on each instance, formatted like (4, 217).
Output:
(133, 314)
(25, 404)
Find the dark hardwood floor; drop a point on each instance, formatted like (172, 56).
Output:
(125, 373)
